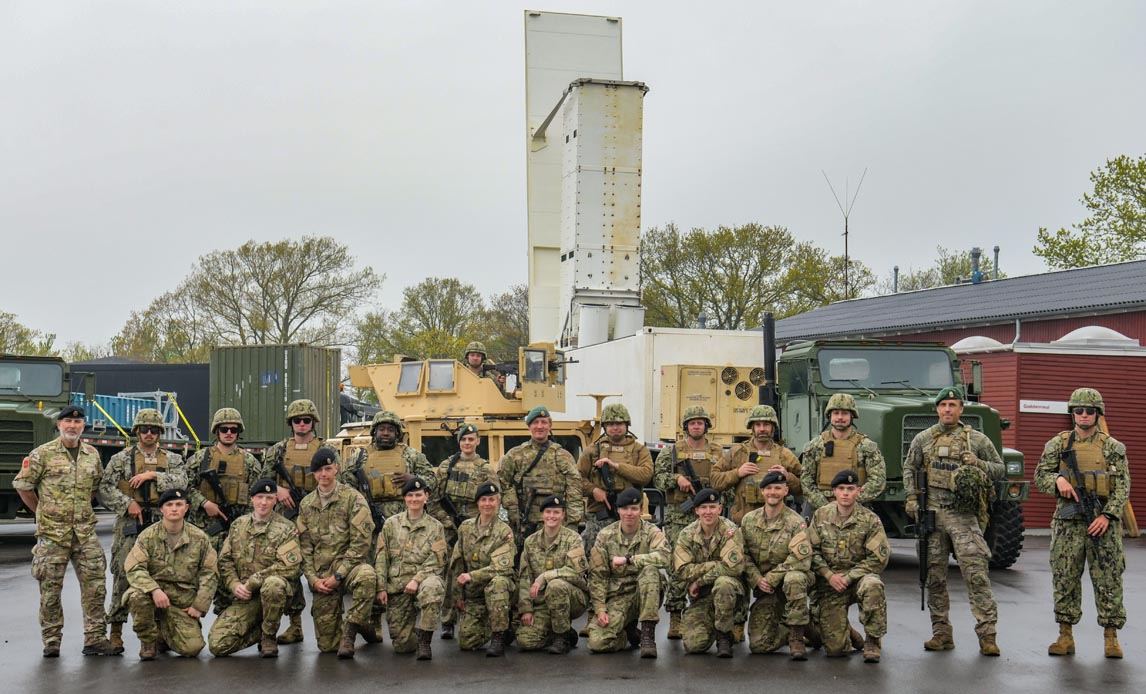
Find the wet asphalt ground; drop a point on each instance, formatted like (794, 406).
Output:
(1026, 628)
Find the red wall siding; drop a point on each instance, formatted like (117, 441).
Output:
(1131, 324)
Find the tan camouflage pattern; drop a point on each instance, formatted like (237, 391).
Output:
(561, 568)
(411, 550)
(416, 464)
(627, 593)
(555, 473)
(778, 551)
(867, 457)
(746, 496)
(486, 553)
(715, 563)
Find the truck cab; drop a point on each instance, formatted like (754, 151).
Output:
(32, 391)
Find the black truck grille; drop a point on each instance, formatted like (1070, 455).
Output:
(16, 440)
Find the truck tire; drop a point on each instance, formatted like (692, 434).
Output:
(1004, 534)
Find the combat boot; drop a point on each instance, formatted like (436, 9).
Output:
(1110, 643)
(723, 644)
(447, 632)
(52, 649)
(648, 639)
(148, 650)
(1064, 645)
(987, 645)
(796, 642)
(116, 637)
(268, 647)
(813, 637)
(857, 638)
(674, 626)
(633, 634)
(346, 647)
(737, 633)
(939, 641)
(496, 647)
(871, 646)
(424, 639)
(101, 647)
(293, 634)
(560, 643)
(372, 632)
(584, 632)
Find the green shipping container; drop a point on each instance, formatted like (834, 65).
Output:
(261, 380)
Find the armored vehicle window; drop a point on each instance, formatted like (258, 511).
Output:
(887, 369)
(411, 377)
(441, 376)
(794, 378)
(534, 366)
(31, 379)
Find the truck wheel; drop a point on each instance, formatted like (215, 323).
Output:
(1004, 534)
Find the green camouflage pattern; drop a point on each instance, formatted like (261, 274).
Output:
(555, 473)
(868, 458)
(715, 563)
(1117, 471)
(695, 412)
(302, 408)
(486, 553)
(226, 415)
(386, 417)
(627, 593)
(842, 401)
(1087, 397)
(460, 485)
(147, 417)
(761, 413)
(777, 551)
(615, 413)
(411, 550)
(49, 564)
(560, 569)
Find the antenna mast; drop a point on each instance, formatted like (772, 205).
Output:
(846, 212)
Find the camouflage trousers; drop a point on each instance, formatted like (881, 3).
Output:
(405, 612)
(486, 611)
(449, 614)
(713, 611)
(869, 592)
(49, 564)
(1071, 550)
(675, 521)
(327, 609)
(959, 532)
(120, 546)
(244, 622)
(179, 630)
(643, 604)
(554, 610)
(772, 613)
(593, 526)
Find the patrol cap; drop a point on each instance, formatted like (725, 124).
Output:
(774, 477)
(552, 502)
(845, 477)
(415, 485)
(172, 495)
(629, 496)
(322, 457)
(706, 496)
(487, 489)
(264, 486)
(71, 411)
(536, 412)
(949, 393)
(466, 429)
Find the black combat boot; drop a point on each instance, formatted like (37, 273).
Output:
(648, 639)
(724, 644)
(346, 647)
(496, 647)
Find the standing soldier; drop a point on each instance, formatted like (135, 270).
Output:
(625, 582)
(778, 570)
(288, 464)
(481, 575)
(334, 531)
(410, 559)
(260, 561)
(1077, 538)
(681, 471)
(551, 587)
(841, 447)
(534, 470)
(960, 464)
(130, 488)
(615, 461)
(172, 570)
(850, 549)
(57, 482)
(709, 557)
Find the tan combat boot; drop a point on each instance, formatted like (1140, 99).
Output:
(648, 639)
(101, 647)
(674, 626)
(116, 637)
(871, 646)
(1110, 643)
(148, 650)
(987, 645)
(796, 642)
(737, 633)
(424, 639)
(293, 634)
(346, 647)
(268, 647)
(1064, 645)
(584, 632)
(939, 641)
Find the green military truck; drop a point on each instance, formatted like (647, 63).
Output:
(894, 385)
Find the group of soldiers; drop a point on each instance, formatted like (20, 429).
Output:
(518, 553)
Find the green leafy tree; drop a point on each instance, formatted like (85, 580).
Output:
(17, 338)
(949, 268)
(437, 318)
(1115, 228)
(505, 325)
(816, 278)
(172, 330)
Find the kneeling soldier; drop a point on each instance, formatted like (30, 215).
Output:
(709, 558)
(481, 569)
(551, 586)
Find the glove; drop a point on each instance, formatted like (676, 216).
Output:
(911, 508)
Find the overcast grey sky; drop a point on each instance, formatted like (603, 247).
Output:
(137, 136)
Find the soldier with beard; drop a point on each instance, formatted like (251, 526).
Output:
(841, 447)
(620, 458)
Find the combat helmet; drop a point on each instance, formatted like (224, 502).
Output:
(762, 413)
(226, 415)
(474, 346)
(386, 417)
(615, 413)
(147, 417)
(842, 401)
(695, 412)
(1087, 397)
(302, 408)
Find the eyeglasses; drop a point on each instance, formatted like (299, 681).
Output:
(302, 420)
(229, 430)
(149, 430)
(1084, 410)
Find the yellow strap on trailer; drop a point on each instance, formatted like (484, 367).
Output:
(126, 436)
(198, 443)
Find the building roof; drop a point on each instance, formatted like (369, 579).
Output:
(1081, 291)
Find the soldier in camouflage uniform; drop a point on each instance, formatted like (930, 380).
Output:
(552, 589)
(57, 482)
(234, 471)
(130, 488)
(410, 558)
(172, 570)
(946, 451)
(534, 470)
(692, 454)
(481, 575)
(476, 362)
(841, 447)
(850, 550)
(709, 558)
(288, 464)
(629, 465)
(259, 563)
(334, 531)
(625, 581)
(1075, 542)
(777, 570)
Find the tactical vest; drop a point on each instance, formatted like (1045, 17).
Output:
(460, 485)
(750, 485)
(701, 465)
(1091, 463)
(297, 463)
(618, 454)
(946, 455)
(232, 477)
(146, 494)
(839, 455)
(379, 467)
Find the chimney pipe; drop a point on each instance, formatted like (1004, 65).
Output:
(995, 267)
(976, 276)
(895, 280)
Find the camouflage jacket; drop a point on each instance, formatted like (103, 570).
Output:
(188, 573)
(255, 551)
(460, 485)
(409, 550)
(252, 472)
(416, 464)
(275, 455)
(747, 495)
(1117, 471)
(701, 560)
(867, 458)
(854, 546)
(482, 552)
(334, 537)
(772, 548)
(647, 546)
(555, 473)
(119, 470)
(921, 452)
(64, 488)
(635, 467)
(564, 559)
(665, 470)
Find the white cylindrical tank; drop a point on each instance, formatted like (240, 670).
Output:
(592, 324)
(630, 319)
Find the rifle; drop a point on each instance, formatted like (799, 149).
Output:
(147, 514)
(375, 510)
(1088, 505)
(924, 526)
(689, 472)
(296, 494)
(610, 481)
(231, 512)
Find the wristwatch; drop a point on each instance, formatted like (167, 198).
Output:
(629, 559)
(338, 577)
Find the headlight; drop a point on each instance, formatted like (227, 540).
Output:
(1014, 467)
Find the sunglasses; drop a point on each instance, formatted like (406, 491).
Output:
(302, 420)
(229, 430)
(1084, 410)
(149, 430)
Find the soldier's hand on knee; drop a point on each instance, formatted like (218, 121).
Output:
(535, 589)
(839, 582)
(603, 619)
(527, 619)
(160, 599)
(764, 585)
(241, 591)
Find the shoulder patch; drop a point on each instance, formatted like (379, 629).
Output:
(25, 463)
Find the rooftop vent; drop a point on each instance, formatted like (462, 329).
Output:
(1095, 336)
(976, 342)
